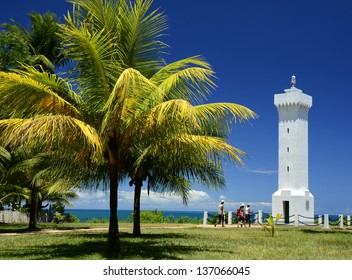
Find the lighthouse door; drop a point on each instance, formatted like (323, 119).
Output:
(286, 205)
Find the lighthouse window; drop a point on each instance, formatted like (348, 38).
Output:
(307, 205)
(288, 130)
(288, 169)
(288, 149)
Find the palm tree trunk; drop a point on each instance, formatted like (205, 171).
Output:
(113, 239)
(137, 209)
(33, 210)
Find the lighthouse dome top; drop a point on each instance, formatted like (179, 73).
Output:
(293, 96)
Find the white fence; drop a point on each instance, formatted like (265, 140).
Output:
(11, 217)
(296, 220)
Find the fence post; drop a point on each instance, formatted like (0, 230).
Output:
(256, 218)
(260, 217)
(326, 220)
(320, 220)
(205, 218)
(348, 220)
(229, 218)
(296, 220)
(341, 221)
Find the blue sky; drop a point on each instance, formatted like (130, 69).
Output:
(255, 47)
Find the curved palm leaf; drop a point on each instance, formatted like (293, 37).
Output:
(4, 158)
(38, 93)
(127, 101)
(189, 79)
(94, 52)
(52, 132)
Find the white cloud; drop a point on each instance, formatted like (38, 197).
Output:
(198, 201)
(261, 171)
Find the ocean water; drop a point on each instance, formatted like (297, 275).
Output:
(87, 214)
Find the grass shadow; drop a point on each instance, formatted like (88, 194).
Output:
(23, 228)
(322, 231)
(13, 228)
(94, 246)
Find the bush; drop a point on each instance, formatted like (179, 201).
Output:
(97, 221)
(187, 220)
(148, 216)
(155, 216)
(70, 218)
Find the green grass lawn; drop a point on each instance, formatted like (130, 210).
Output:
(176, 242)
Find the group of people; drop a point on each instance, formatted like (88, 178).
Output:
(243, 215)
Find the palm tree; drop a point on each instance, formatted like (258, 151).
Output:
(34, 179)
(14, 50)
(119, 99)
(197, 135)
(42, 40)
(175, 164)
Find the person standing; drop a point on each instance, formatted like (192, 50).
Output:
(221, 214)
(241, 220)
(247, 212)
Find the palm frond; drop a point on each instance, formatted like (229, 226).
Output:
(170, 114)
(23, 194)
(58, 84)
(61, 186)
(140, 33)
(100, 15)
(218, 118)
(5, 156)
(52, 132)
(128, 100)
(32, 93)
(189, 79)
(96, 68)
(175, 185)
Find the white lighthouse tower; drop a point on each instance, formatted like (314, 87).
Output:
(293, 196)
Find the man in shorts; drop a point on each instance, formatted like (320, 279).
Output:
(221, 214)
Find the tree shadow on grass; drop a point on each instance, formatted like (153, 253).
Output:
(19, 228)
(94, 245)
(23, 228)
(151, 246)
(322, 231)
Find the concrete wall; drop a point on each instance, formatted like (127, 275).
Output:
(12, 217)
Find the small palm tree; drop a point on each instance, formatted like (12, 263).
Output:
(271, 226)
(35, 179)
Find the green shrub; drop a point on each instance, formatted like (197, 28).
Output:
(149, 216)
(70, 218)
(97, 221)
(155, 216)
(187, 220)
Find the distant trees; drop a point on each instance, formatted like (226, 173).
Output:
(39, 46)
(34, 179)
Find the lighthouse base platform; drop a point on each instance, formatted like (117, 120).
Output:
(292, 202)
